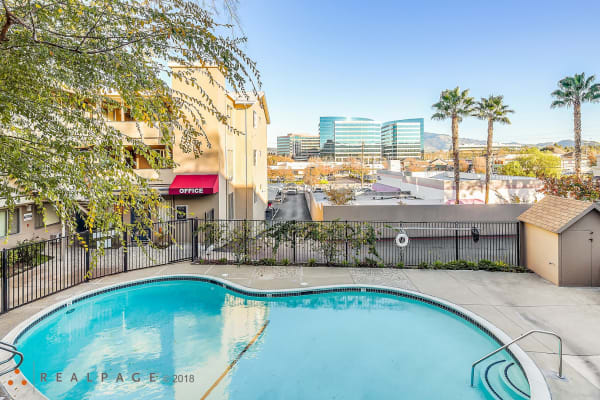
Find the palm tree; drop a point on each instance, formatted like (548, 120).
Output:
(454, 104)
(493, 110)
(573, 91)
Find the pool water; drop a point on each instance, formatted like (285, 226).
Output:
(185, 339)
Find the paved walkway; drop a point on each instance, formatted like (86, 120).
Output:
(513, 302)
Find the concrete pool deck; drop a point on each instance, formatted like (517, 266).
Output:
(514, 303)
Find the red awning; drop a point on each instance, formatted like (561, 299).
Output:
(194, 184)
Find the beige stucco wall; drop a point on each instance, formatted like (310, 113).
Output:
(241, 173)
(27, 230)
(541, 252)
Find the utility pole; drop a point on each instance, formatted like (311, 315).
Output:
(362, 164)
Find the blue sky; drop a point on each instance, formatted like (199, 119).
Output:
(390, 59)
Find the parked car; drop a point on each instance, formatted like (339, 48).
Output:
(318, 190)
(292, 190)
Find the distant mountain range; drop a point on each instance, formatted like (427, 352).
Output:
(439, 141)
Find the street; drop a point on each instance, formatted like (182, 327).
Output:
(293, 208)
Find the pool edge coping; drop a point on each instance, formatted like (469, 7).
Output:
(539, 389)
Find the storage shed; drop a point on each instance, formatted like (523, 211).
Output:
(561, 239)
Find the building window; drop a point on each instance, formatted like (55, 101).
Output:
(230, 206)
(254, 119)
(51, 216)
(209, 215)
(9, 224)
(181, 212)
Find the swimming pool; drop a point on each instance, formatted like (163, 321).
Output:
(191, 337)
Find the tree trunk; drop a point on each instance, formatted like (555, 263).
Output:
(488, 160)
(456, 158)
(577, 123)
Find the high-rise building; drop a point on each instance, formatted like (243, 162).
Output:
(342, 138)
(298, 146)
(402, 139)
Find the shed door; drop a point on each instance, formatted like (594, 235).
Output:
(576, 262)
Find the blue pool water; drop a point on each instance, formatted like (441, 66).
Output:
(322, 346)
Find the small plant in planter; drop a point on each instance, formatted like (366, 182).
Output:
(399, 264)
(285, 261)
(423, 265)
(311, 262)
(222, 260)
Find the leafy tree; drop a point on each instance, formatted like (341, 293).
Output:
(311, 175)
(274, 159)
(534, 163)
(65, 66)
(513, 168)
(572, 92)
(455, 105)
(492, 109)
(340, 197)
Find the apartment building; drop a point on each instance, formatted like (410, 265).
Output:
(229, 179)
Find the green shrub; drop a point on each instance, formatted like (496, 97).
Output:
(28, 253)
(222, 260)
(399, 264)
(311, 262)
(267, 261)
(285, 261)
(423, 265)
(345, 263)
(438, 265)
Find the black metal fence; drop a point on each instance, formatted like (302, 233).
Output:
(32, 271)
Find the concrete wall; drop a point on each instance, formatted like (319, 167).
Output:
(426, 213)
(315, 208)
(541, 252)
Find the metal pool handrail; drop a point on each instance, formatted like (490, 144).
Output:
(516, 340)
(9, 348)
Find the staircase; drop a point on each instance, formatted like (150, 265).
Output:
(502, 379)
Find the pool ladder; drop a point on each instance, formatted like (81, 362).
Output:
(9, 348)
(516, 340)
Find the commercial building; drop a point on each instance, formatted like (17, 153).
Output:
(343, 138)
(482, 148)
(352, 132)
(298, 146)
(402, 139)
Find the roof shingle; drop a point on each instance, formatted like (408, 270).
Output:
(556, 214)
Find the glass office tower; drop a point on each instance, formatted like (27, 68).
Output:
(402, 139)
(341, 138)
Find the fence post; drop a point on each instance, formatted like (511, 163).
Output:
(87, 249)
(4, 280)
(346, 229)
(125, 251)
(456, 241)
(294, 240)
(194, 239)
(518, 243)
